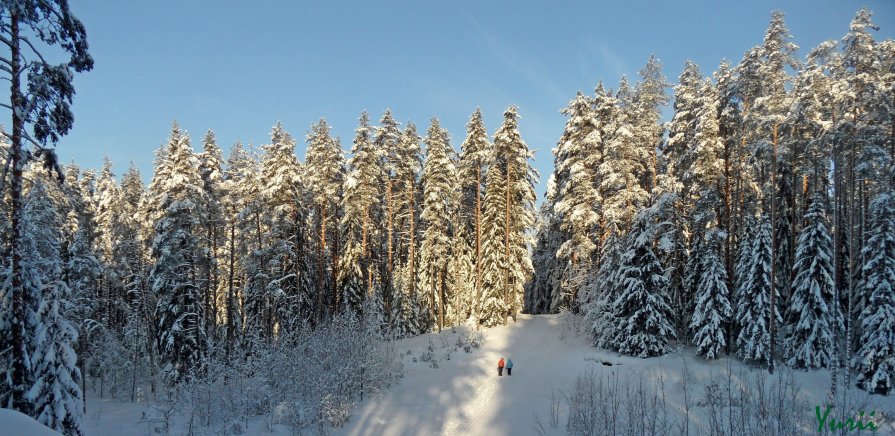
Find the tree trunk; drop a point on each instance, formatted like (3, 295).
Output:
(17, 395)
(365, 258)
(506, 239)
(412, 243)
(441, 299)
(478, 241)
(772, 324)
(230, 301)
(320, 264)
(389, 248)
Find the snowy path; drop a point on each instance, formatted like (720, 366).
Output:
(465, 395)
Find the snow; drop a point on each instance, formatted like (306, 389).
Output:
(13, 423)
(464, 395)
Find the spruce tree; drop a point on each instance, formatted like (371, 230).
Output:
(713, 309)
(753, 307)
(874, 361)
(642, 315)
(813, 316)
(54, 391)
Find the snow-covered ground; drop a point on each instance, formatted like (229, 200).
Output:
(464, 395)
(14, 423)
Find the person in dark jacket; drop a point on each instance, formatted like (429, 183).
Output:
(500, 367)
(509, 366)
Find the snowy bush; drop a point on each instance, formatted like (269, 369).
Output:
(730, 402)
(308, 380)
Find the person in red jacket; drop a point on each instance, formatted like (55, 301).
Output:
(500, 367)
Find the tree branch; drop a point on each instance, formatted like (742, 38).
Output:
(27, 41)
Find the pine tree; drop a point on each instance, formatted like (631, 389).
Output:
(111, 294)
(40, 99)
(713, 309)
(512, 156)
(326, 176)
(210, 226)
(408, 169)
(361, 198)
(493, 307)
(576, 205)
(875, 359)
(386, 142)
(813, 315)
(179, 312)
(475, 153)
(283, 196)
(438, 175)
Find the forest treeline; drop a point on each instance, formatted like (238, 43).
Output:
(760, 221)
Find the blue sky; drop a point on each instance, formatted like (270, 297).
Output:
(237, 67)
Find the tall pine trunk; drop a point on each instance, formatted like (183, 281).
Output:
(772, 324)
(19, 353)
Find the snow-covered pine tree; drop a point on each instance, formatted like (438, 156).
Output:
(439, 174)
(211, 226)
(39, 98)
(623, 162)
(875, 359)
(682, 130)
(179, 313)
(111, 292)
(649, 97)
(512, 155)
(361, 198)
(460, 276)
(408, 169)
(713, 309)
(54, 390)
(493, 307)
(577, 199)
(768, 113)
(285, 218)
(386, 142)
(475, 153)
(813, 317)
(753, 307)
(642, 315)
(325, 165)
(238, 183)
